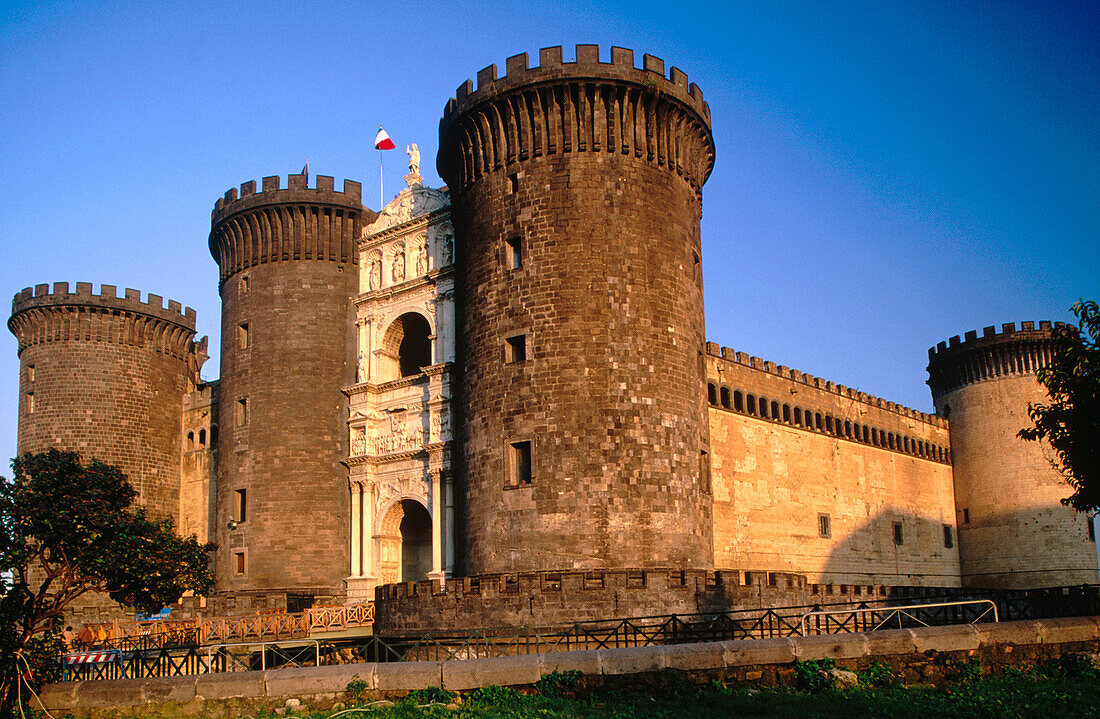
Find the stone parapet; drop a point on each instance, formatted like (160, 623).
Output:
(957, 363)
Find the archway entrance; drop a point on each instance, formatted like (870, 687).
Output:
(406, 543)
(406, 347)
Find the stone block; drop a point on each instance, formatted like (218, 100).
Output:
(585, 662)
(59, 697)
(836, 646)
(232, 685)
(1027, 632)
(779, 650)
(112, 693)
(890, 642)
(156, 690)
(946, 639)
(633, 660)
(408, 676)
(1068, 629)
(332, 680)
(690, 657)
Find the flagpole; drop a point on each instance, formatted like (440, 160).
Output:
(381, 195)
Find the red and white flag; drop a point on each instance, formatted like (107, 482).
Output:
(382, 141)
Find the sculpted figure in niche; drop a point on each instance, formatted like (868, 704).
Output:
(421, 259)
(446, 251)
(399, 265)
(375, 277)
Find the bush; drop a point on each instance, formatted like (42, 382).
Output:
(811, 674)
(557, 684)
(431, 695)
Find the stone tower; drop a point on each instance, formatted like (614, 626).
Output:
(576, 199)
(105, 376)
(1013, 532)
(288, 266)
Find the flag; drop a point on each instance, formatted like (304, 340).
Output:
(382, 141)
(305, 170)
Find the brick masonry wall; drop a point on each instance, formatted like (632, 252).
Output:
(609, 298)
(773, 479)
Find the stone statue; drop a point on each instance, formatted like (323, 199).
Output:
(414, 158)
(421, 260)
(375, 273)
(445, 249)
(399, 267)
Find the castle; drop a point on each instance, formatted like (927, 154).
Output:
(494, 403)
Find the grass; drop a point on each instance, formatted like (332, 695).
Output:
(1040, 692)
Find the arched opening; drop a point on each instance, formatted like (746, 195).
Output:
(726, 397)
(406, 551)
(712, 394)
(406, 347)
(739, 401)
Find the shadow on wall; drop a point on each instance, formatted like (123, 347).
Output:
(893, 549)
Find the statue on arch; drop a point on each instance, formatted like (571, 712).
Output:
(414, 158)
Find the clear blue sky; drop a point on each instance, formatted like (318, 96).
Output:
(888, 174)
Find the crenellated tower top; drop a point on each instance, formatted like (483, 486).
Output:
(297, 222)
(580, 106)
(959, 362)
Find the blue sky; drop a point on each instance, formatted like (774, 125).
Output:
(887, 174)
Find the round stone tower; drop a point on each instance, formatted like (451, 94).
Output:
(1013, 532)
(105, 376)
(288, 271)
(576, 198)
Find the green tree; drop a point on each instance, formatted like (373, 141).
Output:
(1070, 422)
(67, 529)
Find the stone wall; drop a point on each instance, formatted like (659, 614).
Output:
(540, 599)
(1013, 530)
(917, 655)
(597, 188)
(791, 452)
(288, 271)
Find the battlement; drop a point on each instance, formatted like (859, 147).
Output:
(958, 362)
(991, 336)
(586, 66)
(107, 298)
(297, 191)
(583, 106)
(756, 363)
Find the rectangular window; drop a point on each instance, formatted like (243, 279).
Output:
(30, 402)
(238, 562)
(30, 373)
(515, 349)
(242, 336)
(966, 516)
(242, 412)
(244, 283)
(514, 253)
(241, 497)
(824, 526)
(899, 538)
(704, 470)
(519, 464)
(948, 538)
(513, 183)
(1090, 521)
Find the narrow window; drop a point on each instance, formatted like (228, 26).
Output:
(764, 407)
(966, 516)
(829, 424)
(855, 432)
(775, 411)
(242, 412)
(798, 416)
(241, 495)
(847, 429)
(515, 349)
(30, 373)
(751, 404)
(823, 527)
(948, 540)
(244, 283)
(704, 470)
(817, 421)
(30, 402)
(1092, 528)
(238, 562)
(787, 413)
(726, 397)
(739, 401)
(214, 436)
(866, 434)
(190, 441)
(514, 253)
(712, 394)
(242, 336)
(202, 437)
(899, 538)
(519, 463)
(513, 183)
